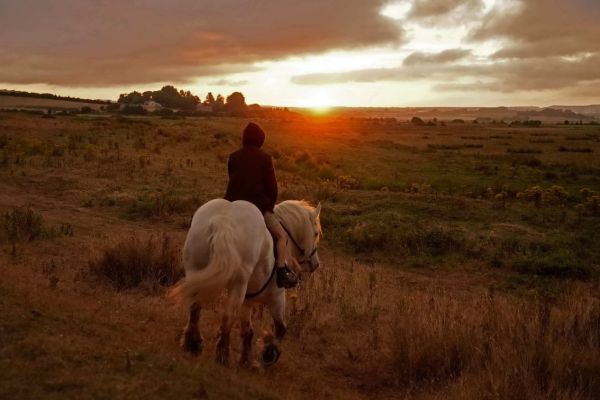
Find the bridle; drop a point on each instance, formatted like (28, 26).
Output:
(305, 258)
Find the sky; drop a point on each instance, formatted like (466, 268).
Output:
(310, 53)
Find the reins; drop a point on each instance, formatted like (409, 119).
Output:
(262, 289)
(305, 259)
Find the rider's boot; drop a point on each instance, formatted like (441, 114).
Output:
(286, 278)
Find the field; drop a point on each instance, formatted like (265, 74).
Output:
(459, 261)
(31, 103)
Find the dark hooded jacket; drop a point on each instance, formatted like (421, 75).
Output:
(251, 172)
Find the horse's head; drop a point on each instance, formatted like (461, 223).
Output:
(302, 223)
(313, 236)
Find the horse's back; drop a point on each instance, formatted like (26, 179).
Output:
(241, 217)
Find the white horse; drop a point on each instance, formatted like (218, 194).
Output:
(229, 247)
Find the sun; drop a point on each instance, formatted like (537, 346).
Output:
(319, 101)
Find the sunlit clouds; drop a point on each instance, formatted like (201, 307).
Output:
(324, 53)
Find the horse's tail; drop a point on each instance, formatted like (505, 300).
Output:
(224, 264)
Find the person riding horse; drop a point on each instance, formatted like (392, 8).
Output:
(252, 178)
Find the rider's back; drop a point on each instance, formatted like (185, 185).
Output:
(252, 178)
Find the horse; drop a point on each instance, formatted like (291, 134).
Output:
(228, 247)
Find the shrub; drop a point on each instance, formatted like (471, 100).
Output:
(417, 121)
(134, 261)
(22, 224)
(160, 204)
(560, 264)
(348, 182)
(539, 196)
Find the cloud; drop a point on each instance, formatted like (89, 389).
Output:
(97, 43)
(227, 82)
(442, 8)
(445, 56)
(508, 76)
(543, 28)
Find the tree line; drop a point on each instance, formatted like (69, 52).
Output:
(19, 93)
(169, 97)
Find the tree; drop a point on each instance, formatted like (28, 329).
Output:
(235, 102)
(131, 98)
(210, 99)
(219, 103)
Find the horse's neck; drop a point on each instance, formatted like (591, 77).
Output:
(294, 221)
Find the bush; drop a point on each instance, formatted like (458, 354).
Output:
(22, 224)
(160, 204)
(367, 237)
(417, 121)
(133, 261)
(348, 182)
(560, 264)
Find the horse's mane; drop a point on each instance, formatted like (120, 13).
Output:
(298, 210)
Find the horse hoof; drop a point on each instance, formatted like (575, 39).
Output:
(192, 344)
(270, 355)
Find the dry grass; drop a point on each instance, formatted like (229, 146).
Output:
(423, 326)
(133, 262)
(430, 343)
(496, 347)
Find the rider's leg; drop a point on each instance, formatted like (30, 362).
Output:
(281, 239)
(285, 276)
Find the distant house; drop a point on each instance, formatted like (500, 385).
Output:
(152, 106)
(206, 108)
(148, 106)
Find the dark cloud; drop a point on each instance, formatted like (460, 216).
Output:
(93, 43)
(445, 56)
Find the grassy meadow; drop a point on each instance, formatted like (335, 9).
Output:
(459, 261)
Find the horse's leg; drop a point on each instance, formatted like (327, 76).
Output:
(234, 300)
(247, 334)
(279, 325)
(191, 341)
(272, 349)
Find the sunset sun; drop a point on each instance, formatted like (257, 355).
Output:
(319, 101)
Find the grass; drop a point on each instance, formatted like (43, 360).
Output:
(438, 279)
(496, 346)
(133, 262)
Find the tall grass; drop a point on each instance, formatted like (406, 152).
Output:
(133, 262)
(498, 347)
(428, 343)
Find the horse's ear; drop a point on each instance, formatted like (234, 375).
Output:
(318, 210)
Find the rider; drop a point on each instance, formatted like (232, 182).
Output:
(252, 178)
